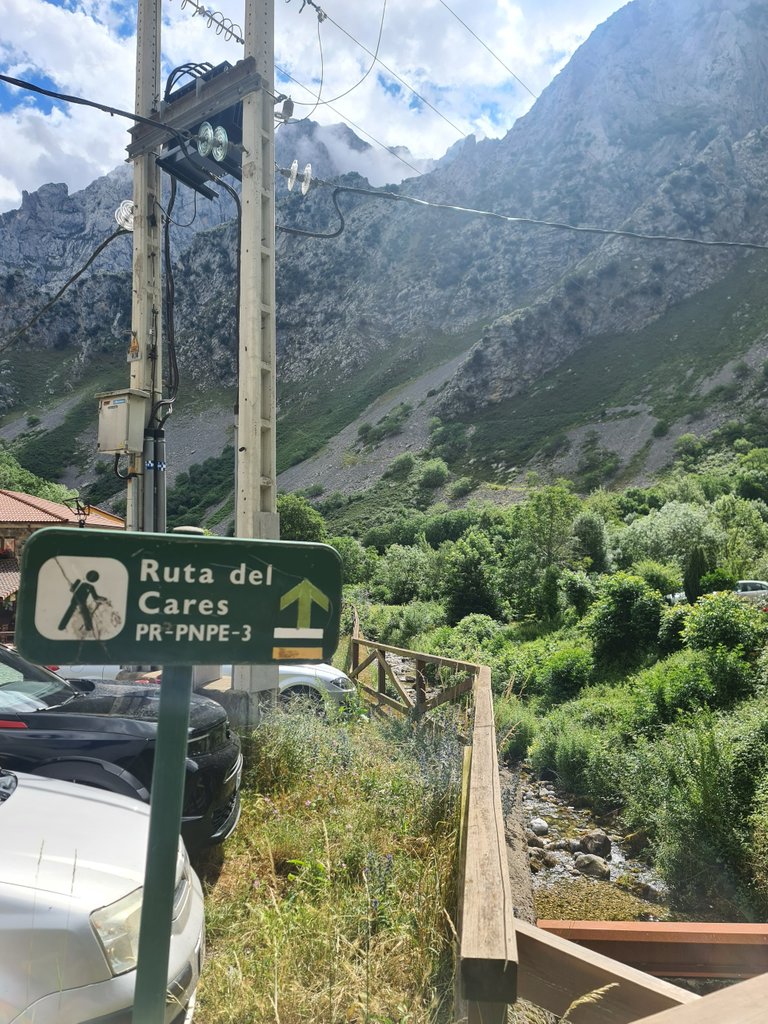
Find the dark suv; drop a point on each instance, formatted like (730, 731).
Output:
(103, 734)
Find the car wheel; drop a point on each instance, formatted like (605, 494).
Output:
(298, 696)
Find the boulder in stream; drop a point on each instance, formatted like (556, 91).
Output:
(592, 865)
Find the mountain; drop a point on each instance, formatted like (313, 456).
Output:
(542, 345)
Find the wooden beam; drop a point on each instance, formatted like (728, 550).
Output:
(745, 1003)
(450, 694)
(488, 951)
(383, 698)
(355, 673)
(394, 680)
(674, 949)
(554, 972)
(433, 659)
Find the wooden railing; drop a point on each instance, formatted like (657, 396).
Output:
(500, 958)
(419, 687)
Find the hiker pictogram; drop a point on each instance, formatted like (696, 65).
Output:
(81, 591)
(81, 597)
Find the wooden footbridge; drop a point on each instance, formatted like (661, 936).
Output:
(501, 959)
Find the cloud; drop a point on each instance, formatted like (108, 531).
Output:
(87, 48)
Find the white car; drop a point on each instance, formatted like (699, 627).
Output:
(71, 876)
(314, 682)
(754, 591)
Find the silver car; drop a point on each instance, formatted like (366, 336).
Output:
(71, 875)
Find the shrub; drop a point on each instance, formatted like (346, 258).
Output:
(404, 573)
(671, 628)
(433, 473)
(578, 590)
(399, 624)
(718, 579)
(583, 759)
(723, 620)
(662, 576)
(515, 727)
(624, 622)
(401, 466)
(565, 673)
(357, 563)
(590, 540)
(299, 520)
(469, 582)
(460, 488)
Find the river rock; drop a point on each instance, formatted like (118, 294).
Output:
(592, 865)
(539, 827)
(596, 842)
(574, 845)
(535, 841)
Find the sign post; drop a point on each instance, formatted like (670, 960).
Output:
(96, 596)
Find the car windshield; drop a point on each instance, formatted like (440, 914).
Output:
(25, 687)
(8, 783)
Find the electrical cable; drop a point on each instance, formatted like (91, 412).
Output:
(112, 111)
(351, 122)
(494, 55)
(371, 66)
(322, 75)
(532, 221)
(25, 327)
(316, 234)
(388, 69)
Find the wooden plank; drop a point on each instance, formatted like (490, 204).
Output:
(450, 694)
(554, 972)
(674, 949)
(394, 680)
(488, 951)
(433, 659)
(384, 698)
(459, 1003)
(745, 1003)
(355, 673)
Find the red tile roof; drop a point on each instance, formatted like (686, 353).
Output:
(18, 508)
(9, 577)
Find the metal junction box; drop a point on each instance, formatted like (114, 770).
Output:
(122, 416)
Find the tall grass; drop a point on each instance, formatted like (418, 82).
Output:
(335, 897)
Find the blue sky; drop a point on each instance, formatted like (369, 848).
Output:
(87, 48)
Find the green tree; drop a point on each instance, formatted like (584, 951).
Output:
(357, 562)
(299, 520)
(624, 622)
(697, 565)
(590, 542)
(744, 532)
(469, 582)
(13, 477)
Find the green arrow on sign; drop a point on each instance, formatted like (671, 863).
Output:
(306, 594)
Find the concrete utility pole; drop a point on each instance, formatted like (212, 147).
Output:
(145, 350)
(255, 475)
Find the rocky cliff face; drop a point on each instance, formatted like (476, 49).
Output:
(658, 125)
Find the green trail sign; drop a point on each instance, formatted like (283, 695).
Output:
(93, 596)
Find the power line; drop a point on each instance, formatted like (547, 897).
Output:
(482, 43)
(389, 70)
(376, 59)
(371, 66)
(25, 327)
(113, 111)
(532, 221)
(349, 121)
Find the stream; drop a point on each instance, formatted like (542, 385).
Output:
(582, 867)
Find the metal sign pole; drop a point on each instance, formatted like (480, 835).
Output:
(162, 849)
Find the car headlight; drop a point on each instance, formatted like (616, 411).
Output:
(117, 928)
